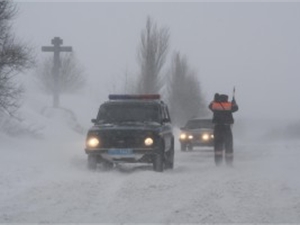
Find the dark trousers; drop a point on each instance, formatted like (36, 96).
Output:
(223, 140)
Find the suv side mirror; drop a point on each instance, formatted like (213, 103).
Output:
(94, 121)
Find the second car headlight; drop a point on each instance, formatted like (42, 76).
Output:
(92, 142)
(183, 136)
(205, 137)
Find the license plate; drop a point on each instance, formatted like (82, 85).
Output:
(123, 151)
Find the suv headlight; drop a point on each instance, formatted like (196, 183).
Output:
(148, 141)
(92, 142)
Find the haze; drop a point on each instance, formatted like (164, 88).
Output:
(254, 46)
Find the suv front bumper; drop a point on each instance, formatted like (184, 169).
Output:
(124, 155)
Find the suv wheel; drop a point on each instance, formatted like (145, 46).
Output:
(158, 163)
(158, 159)
(92, 162)
(190, 147)
(169, 163)
(107, 165)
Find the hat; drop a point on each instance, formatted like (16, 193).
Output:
(223, 98)
(216, 98)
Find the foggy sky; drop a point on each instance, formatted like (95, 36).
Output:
(252, 45)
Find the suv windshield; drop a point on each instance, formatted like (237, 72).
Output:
(195, 124)
(128, 112)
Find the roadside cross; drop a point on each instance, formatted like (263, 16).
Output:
(56, 49)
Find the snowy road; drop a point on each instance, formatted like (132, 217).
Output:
(43, 182)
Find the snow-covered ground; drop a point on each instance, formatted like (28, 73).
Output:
(45, 180)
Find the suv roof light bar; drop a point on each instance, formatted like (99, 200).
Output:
(134, 97)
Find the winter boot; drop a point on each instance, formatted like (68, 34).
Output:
(218, 158)
(229, 159)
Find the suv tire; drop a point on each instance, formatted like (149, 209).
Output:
(158, 159)
(158, 163)
(169, 163)
(107, 165)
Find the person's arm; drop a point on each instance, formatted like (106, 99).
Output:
(210, 106)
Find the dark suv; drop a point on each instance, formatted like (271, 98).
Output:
(131, 129)
(196, 132)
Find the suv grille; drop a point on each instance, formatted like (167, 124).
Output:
(122, 139)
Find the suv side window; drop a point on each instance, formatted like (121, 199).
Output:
(166, 116)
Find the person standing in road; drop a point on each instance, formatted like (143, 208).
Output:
(222, 119)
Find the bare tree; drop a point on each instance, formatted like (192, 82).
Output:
(185, 96)
(151, 57)
(71, 76)
(14, 57)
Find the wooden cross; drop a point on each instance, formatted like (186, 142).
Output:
(56, 48)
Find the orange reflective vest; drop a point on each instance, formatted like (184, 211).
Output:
(223, 112)
(221, 106)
